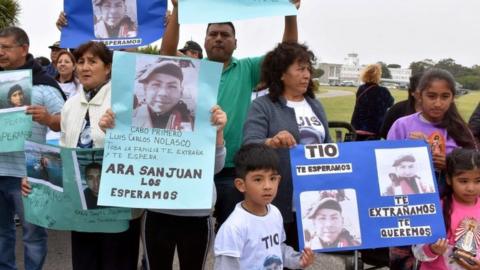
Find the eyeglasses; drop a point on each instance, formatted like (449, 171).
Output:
(9, 47)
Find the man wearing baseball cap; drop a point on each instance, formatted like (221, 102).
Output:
(162, 106)
(55, 49)
(328, 224)
(192, 50)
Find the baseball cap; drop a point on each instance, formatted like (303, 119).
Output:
(325, 203)
(191, 45)
(166, 67)
(55, 45)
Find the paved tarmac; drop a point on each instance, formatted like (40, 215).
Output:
(59, 255)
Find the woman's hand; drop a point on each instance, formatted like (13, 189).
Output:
(107, 120)
(439, 247)
(26, 188)
(283, 139)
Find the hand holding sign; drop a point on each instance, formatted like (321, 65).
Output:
(107, 120)
(282, 139)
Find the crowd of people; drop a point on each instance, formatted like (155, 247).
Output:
(256, 224)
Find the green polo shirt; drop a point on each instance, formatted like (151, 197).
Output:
(234, 96)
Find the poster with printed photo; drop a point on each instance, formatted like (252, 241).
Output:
(163, 143)
(44, 165)
(15, 96)
(360, 195)
(117, 23)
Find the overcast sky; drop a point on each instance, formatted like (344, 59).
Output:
(393, 31)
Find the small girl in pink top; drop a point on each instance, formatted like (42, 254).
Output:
(461, 210)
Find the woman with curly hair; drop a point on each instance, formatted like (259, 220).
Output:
(287, 116)
(372, 102)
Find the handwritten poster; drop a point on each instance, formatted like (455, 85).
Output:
(64, 190)
(161, 152)
(117, 23)
(15, 96)
(209, 11)
(361, 195)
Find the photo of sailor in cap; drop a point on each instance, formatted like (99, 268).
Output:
(161, 102)
(404, 173)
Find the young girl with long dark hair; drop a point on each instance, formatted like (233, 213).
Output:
(439, 123)
(461, 210)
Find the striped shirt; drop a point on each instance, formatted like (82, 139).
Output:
(13, 164)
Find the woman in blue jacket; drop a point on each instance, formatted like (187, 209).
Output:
(288, 115)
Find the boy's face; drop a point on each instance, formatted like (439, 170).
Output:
(259, 187)
(406, 169)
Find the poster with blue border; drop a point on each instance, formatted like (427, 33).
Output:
(161, 152)
(64, 182)
(359, 195)
(15, 96)
(209, 11)
(117, 23)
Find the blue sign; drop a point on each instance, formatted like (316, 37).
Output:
(161, 152)
(209, 11)
(362, 195)
(117, 23)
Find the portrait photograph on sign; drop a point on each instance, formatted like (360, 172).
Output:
(88, 169)
(44, 165)
(403, 172)
(15, 90)
(115, 18)
(165, 94)
(330, 218)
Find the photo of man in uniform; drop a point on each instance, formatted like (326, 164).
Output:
(162, 106)
(112, 20)
(93, 171)
(405, 180)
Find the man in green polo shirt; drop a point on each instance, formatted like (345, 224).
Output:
(239, 78)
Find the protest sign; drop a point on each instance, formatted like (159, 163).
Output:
(209, 11)
(161, 152)
(15, 96)
(117, 23)
(64, 189)
(361, 195)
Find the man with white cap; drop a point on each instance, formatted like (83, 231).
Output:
(328, 224)
(162, 106)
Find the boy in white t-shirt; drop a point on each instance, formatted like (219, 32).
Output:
(253, 237)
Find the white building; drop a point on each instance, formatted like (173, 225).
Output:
(350, 71)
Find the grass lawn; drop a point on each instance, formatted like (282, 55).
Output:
(341, 108)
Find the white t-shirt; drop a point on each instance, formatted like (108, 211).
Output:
(255, 240)
(311, 129)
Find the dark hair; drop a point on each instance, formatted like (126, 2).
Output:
(458, 161)
(12, 90)
(452, 120)
(97, 49)
(252, 157)
(93, 165)
(227, 23)
(42, 61)
(277, 62)
(18, 34)
(412, 87)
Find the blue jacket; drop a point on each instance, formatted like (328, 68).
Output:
(265, 119)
